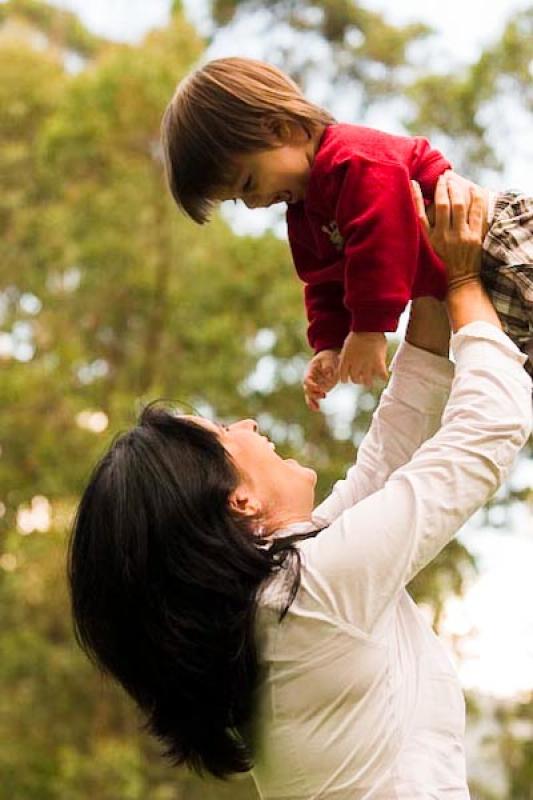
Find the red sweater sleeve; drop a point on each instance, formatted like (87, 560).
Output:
(376, 217)
(328, 318)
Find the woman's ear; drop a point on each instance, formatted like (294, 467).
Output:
(244, 502)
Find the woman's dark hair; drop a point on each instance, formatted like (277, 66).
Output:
(164, 578)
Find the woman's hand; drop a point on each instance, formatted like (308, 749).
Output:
(456, 235)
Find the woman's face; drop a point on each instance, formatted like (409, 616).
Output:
(281, 490)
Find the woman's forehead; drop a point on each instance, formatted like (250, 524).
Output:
(203, 422)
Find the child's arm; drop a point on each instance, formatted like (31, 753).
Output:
(377, 219)
(328, 319)
(381, 251)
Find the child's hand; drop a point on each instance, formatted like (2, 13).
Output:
(363, 358)
(321, 375)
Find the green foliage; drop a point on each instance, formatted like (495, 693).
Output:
(63, 29)
(452, 103)
(367, 51)
(111, 298)
(515, 745)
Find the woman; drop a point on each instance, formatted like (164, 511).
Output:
(201, 583)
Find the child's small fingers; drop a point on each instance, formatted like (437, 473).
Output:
(354, 375)
(362, 377)
(344, 372)
(313, 389)
(316, 390)
(312, 401)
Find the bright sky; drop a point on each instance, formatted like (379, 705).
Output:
(497, 613)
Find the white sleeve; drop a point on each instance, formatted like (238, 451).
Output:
(409, 412)
(403, 526)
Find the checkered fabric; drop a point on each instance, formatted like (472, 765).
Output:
(507, 267)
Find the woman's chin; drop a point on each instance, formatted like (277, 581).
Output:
(308, 471)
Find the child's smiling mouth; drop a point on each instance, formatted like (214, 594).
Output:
(283, 197)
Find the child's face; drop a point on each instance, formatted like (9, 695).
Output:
(275, 175)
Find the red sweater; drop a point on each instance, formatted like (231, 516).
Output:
(355, 238)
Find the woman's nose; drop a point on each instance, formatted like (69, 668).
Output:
(251, 424)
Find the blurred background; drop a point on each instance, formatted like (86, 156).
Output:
(110, 298)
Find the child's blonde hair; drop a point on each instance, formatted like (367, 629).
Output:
(228, 107)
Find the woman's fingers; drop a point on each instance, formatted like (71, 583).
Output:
(420, 206)
(467, 207)
(442, 204)
(459, 200)
(476, 211)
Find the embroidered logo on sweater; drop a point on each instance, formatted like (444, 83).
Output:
(332, 230)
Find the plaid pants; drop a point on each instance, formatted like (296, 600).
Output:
(507, 268)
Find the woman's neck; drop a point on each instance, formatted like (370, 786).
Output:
(280, 522)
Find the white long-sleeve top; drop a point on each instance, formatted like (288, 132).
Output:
(358, 698)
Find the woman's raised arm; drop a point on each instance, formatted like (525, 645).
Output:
(409, 411)
(376, 547)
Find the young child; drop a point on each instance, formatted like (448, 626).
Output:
(240, 128)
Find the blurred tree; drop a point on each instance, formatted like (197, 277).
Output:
(90, 268)
(455, 104)
(62, 29)
(109, 298)
(364, 51)
(516, 746)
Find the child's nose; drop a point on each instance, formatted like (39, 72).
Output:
(251, 202)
